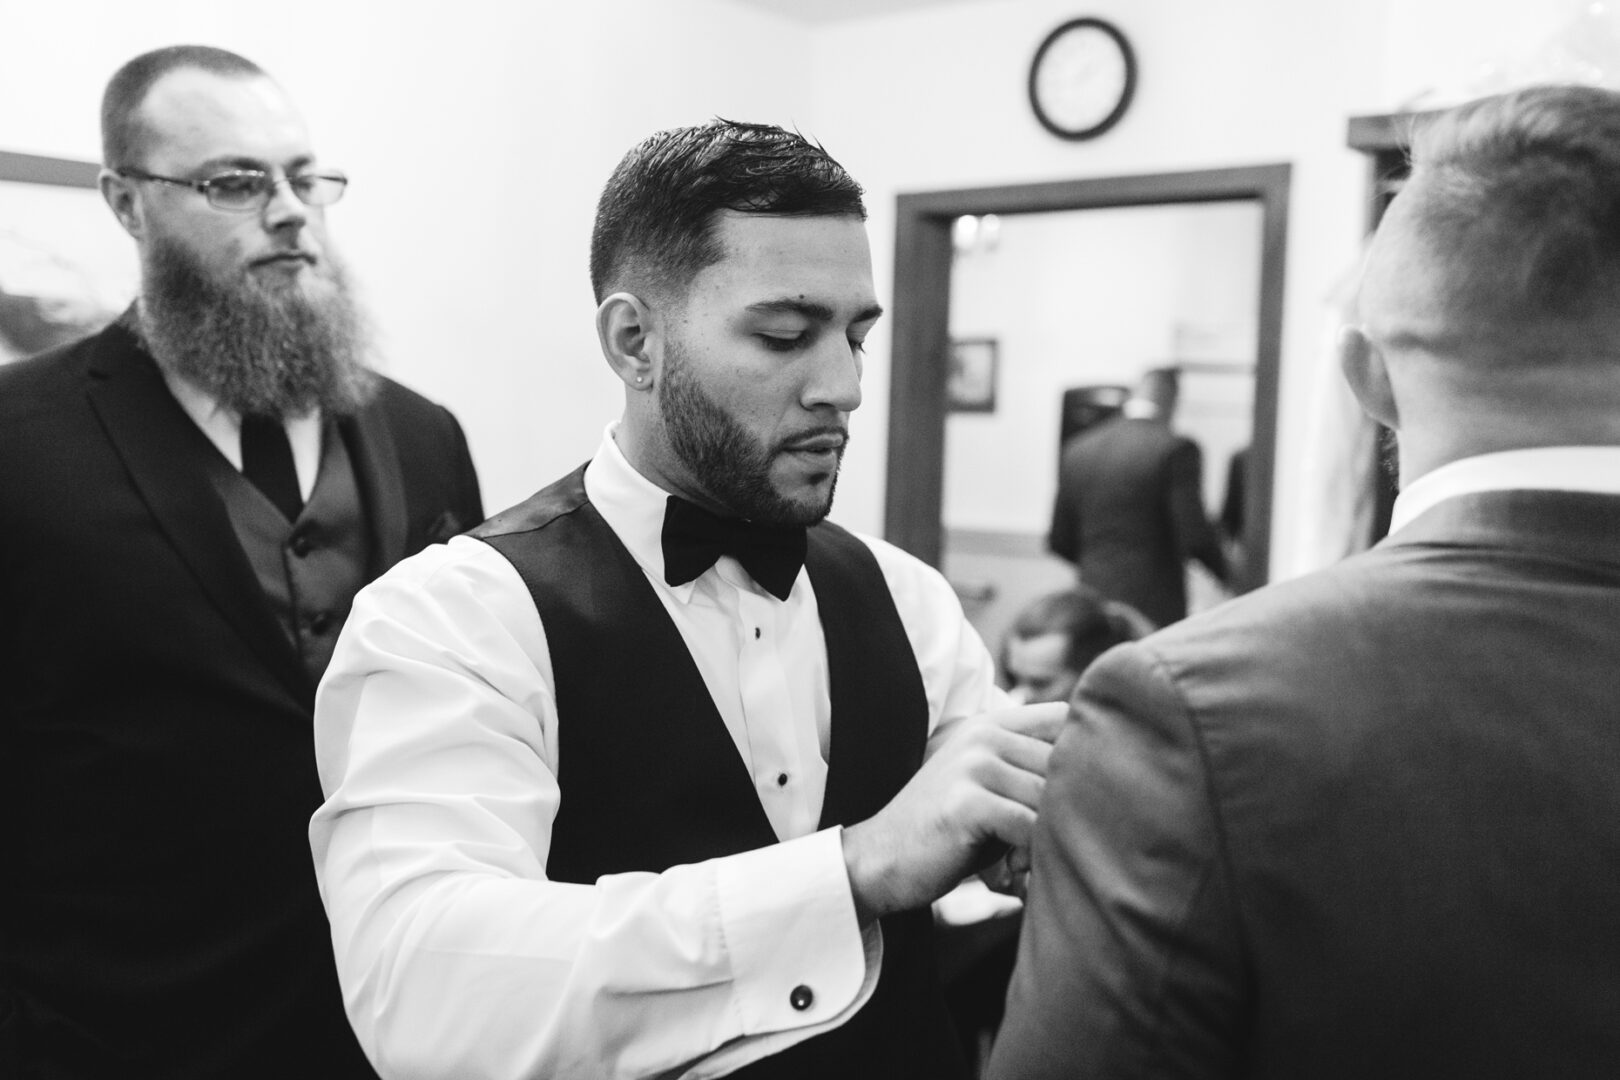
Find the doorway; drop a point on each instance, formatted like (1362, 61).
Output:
(977, 390)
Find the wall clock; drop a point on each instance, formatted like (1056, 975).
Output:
(1082, 79)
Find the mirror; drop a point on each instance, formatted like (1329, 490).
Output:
(1071, 307)
(1007, 298)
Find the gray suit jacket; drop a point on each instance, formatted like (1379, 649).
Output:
(1362, 824)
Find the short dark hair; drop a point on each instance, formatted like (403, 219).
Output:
(1092, 623)
(1520, 194)
(122, 134)
(655, 219)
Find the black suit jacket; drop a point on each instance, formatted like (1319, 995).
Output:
(1361, 824)
(1130, 513)
(158, 908)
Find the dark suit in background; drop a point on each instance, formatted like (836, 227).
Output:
(158, 909)
(1129, 514)
(1363, 824)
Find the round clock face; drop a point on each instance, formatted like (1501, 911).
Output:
(1081, 80)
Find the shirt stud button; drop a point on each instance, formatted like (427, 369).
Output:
(801, 998)
(756, 633)
(781, 779)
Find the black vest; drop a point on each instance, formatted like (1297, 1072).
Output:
(651, 779)
(309, 569)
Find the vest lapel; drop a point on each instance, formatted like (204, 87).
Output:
(879, 723)
(162, 448)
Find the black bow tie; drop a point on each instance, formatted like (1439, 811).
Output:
(694, 539)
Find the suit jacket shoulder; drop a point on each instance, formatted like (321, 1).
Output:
(1380, 803)
(434, 463)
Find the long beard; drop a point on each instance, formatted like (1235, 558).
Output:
(733, 466)
(255, 347)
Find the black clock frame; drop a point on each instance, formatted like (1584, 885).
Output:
(1125, 96)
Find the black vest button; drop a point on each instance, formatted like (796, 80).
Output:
(300, 545)
(320, 622)
(802, 997)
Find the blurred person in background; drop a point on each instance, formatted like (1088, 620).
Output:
(1057, 636)
(1129, 511)
(189, 501)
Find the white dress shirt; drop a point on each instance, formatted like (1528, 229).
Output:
(1545, 468)
(224, 429)
(436, 738)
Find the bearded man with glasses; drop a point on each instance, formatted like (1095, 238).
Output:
(189, 501)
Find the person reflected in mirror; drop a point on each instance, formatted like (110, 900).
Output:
(1129, 510)
(1234, 516)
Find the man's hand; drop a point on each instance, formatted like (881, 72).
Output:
(975, 794)
(1008, 875)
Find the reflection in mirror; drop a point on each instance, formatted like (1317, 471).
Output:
(1071, 308)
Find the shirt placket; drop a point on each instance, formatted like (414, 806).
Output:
(770, 716)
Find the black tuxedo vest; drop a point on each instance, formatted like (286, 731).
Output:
(651, 779)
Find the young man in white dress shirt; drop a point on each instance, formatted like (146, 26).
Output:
(659, 773)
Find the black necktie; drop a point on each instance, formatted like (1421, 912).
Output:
(268, 462)
(694, 539)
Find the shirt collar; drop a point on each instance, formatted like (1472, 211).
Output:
(633, 508)
(220, 424)
(1547, 468)
(223, 426)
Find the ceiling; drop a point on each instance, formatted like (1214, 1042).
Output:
(831, 11)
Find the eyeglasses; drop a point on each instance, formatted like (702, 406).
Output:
(242, 190)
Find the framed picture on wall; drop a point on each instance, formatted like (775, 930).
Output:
(970, 380)
(66, 268)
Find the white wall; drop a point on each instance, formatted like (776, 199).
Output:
(477, 136)
(1440, 52)
(479, 133)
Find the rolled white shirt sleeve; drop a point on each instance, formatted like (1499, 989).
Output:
(436, 740)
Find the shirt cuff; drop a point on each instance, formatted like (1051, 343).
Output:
(797, 954)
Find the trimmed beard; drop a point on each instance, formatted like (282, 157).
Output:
(254, 346)
(731, 465)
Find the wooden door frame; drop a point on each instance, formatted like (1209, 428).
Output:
(922, 288)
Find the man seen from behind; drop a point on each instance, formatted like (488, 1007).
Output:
(1367, 822)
